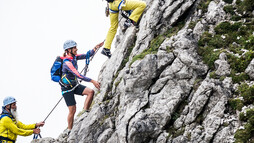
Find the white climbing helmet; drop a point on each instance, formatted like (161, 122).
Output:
(9, 100)
(69, 44)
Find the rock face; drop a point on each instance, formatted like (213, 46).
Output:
(250, 69)
(168, 95)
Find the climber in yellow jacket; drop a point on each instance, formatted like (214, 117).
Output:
(10, 127)
(137, 6)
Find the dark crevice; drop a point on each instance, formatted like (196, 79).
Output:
(187, 13)
(200, 118)
(161, 69)
(110, 113)
(145, 106)
(193, 8)
(108, 93)
(173, 11)
(161, 19)
(127, 53)
(211, 141)
(142, 39)
(178, 110)
(159, 74)
(158, 135)
(127, 126)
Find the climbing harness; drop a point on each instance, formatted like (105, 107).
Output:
(85, 69)
(126, 14)
(123, 12)
(6, 139)
(121, 4)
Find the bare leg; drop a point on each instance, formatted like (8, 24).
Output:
(89, 92)
(70, 118)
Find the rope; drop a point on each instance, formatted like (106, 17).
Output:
(85, 69)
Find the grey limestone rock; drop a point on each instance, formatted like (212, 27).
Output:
(167, 96)
(250, 69)
(221, 65)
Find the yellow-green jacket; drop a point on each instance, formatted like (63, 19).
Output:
(10, 128)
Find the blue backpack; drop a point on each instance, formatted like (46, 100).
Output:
(56, 69)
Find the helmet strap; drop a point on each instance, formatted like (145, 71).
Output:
(72, 53)
(8, 108)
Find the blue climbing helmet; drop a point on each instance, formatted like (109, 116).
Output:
(69, 44)
(8, 100)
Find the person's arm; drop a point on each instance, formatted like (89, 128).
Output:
(30, 126)
(26, 127)
(9, 124)
(91, 52)
(69, 66)
(83, 56)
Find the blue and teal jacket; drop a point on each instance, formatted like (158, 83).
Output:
(70, 68)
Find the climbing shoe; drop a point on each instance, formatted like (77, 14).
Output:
(82, 112)
(106, 52)
(127, 23)
(66, 132)
(136, 24)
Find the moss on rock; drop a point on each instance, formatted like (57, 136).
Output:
(236, 104)
(246, 135)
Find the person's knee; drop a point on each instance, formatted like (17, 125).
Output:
(143, 5)
(88, 92)
(113, 28)
(91, 92)
(72, 110)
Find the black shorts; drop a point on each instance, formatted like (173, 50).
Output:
(69, 96)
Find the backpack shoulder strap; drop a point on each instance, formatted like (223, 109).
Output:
(64, 60)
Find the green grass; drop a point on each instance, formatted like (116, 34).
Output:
(203, 5)
(232, 37)
(249, 115)
(229, 9)
(239, 64)
(238, 78)
(209, 55)
(153, 48)
(158, 40)
(173, 31)
(174, 132)
(236, 104)
(249, 43)
(229, 37)
(227, 28)
(246, 135)
(247, 92)
(117, 83)
(245, 7)
(235, 17)
(192, 24)
(205, 38)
